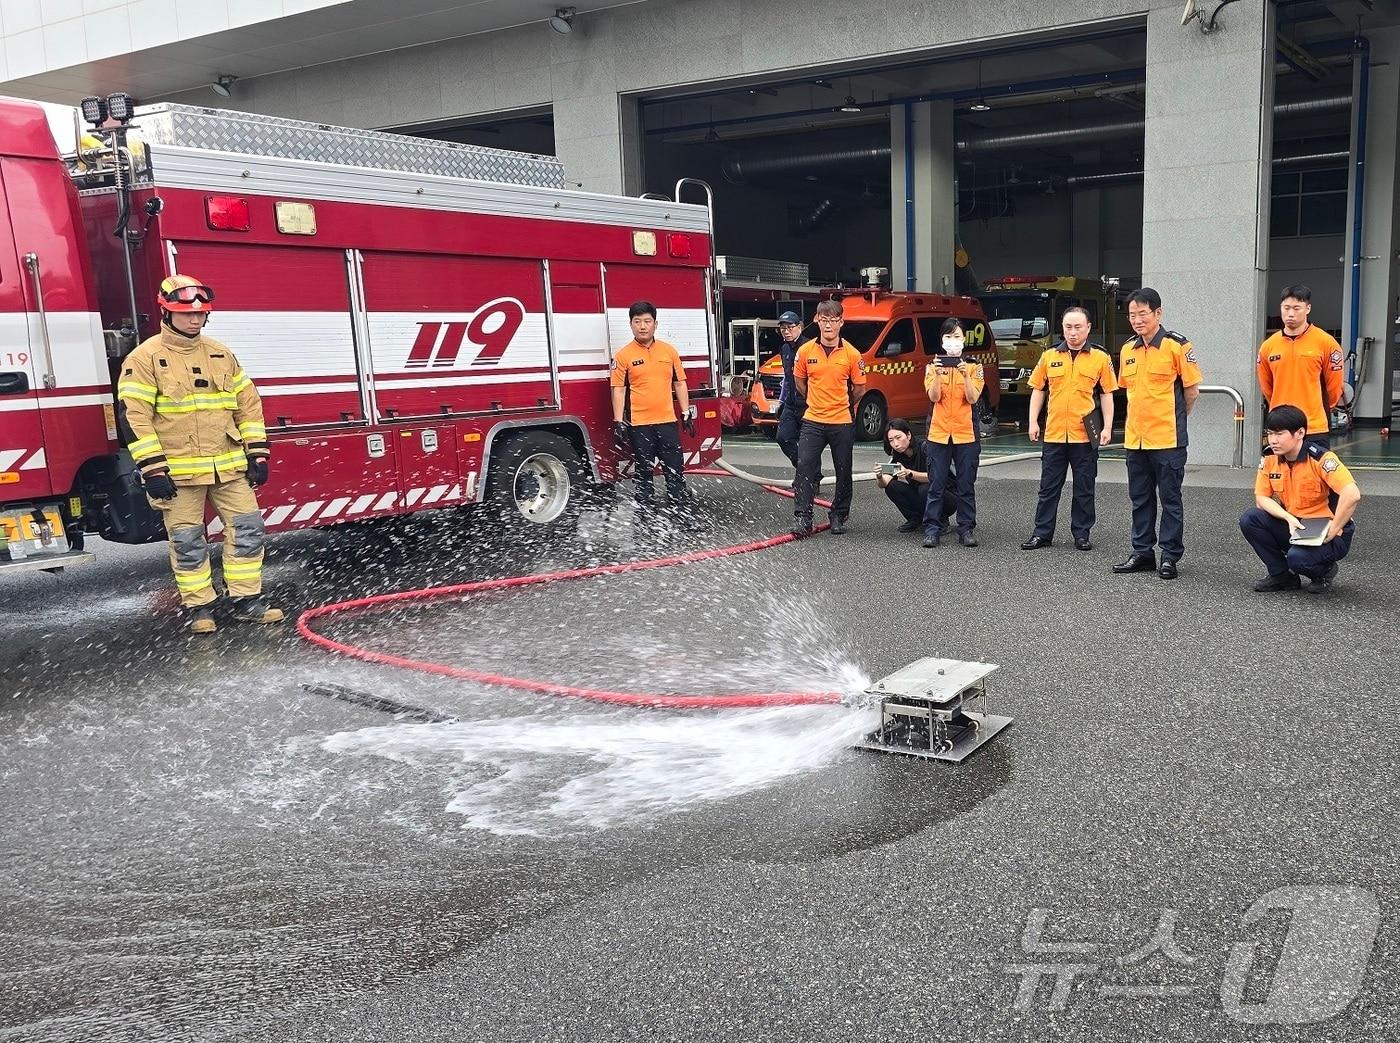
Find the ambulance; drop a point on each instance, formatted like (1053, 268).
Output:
(898, 335)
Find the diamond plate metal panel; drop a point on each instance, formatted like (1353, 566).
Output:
(757, 269)
(219, 130)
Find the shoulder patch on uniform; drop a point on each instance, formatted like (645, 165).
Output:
(1316, 451)
(1330, 463)
(1178, 337)
(860, 364)
(1191, 355)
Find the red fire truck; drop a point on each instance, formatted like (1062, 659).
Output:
(430, 324)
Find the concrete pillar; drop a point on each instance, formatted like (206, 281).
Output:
(1086, 217)
(924, 197)
(590, 137)
(1205, 235)
(1373, 280)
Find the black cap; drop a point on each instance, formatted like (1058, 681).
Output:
(790, 316)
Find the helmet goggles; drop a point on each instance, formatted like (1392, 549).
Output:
(188, 294)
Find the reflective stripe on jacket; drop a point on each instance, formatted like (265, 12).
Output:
(190, 409)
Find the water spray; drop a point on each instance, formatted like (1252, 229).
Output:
(925, 707)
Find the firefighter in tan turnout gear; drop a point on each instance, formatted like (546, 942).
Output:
(194, 424)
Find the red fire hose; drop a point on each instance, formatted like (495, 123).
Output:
(459, 590)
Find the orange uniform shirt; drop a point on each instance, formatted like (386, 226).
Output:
(1303, 371)
(1155, 375)
(1075, 379)
(952, 413)
(827, 374)
(1308, 486)
(649, 375)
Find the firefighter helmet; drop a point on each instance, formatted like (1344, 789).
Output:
(185, 293)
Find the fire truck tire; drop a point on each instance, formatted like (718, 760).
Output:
(871, 417)
(536, 479)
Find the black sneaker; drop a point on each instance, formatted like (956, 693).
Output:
(838, 524)
(1284, 581)
(1323, 583)
(802, 527)
(931, 541)
(913, 526)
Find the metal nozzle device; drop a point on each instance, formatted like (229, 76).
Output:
(924, 710)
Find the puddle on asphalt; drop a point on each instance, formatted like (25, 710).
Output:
(562, 776)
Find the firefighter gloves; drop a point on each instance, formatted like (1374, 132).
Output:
(159, 486)
(621, 428)
(688, 421)
(257, 471)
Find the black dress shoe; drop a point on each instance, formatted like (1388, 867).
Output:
(913, 526)
(838, 524)
(931, 541)
(1084, 544)
(1137, 563)
(1035, 543)
(1168, 570)
(967, 539)
(1285, 581)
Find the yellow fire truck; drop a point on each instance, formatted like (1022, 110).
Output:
(1024, 314)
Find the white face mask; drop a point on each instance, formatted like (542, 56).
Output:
(952, 345)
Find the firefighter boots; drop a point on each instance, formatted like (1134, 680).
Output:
(202, 620)
(255, 610)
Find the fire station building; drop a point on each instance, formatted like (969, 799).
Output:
(1217, 150)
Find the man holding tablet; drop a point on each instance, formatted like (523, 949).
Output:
(1300, 487)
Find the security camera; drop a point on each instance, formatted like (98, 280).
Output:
(1207, 21)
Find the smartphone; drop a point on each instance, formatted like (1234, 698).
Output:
(949, 360)
(890, 469)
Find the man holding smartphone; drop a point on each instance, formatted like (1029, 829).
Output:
(953, 386)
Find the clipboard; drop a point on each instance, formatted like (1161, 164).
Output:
(1312, 532)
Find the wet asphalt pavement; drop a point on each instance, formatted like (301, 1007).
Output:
(192, 846)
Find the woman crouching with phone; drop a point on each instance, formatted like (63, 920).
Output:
(953, 385)
(905, 479)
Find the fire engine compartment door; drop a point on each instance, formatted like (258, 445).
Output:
(458, 336)
(23, 473)
(682, 312)
(285, 312)
(428, 474)
(580, 336)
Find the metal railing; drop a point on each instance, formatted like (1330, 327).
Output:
(1226, 389)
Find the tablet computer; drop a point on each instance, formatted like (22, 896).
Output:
(1312, 532)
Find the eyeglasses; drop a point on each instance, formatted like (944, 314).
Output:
(189, 294)
(827, 320)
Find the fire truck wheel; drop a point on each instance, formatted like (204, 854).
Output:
(536, 477)
(871, 415)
